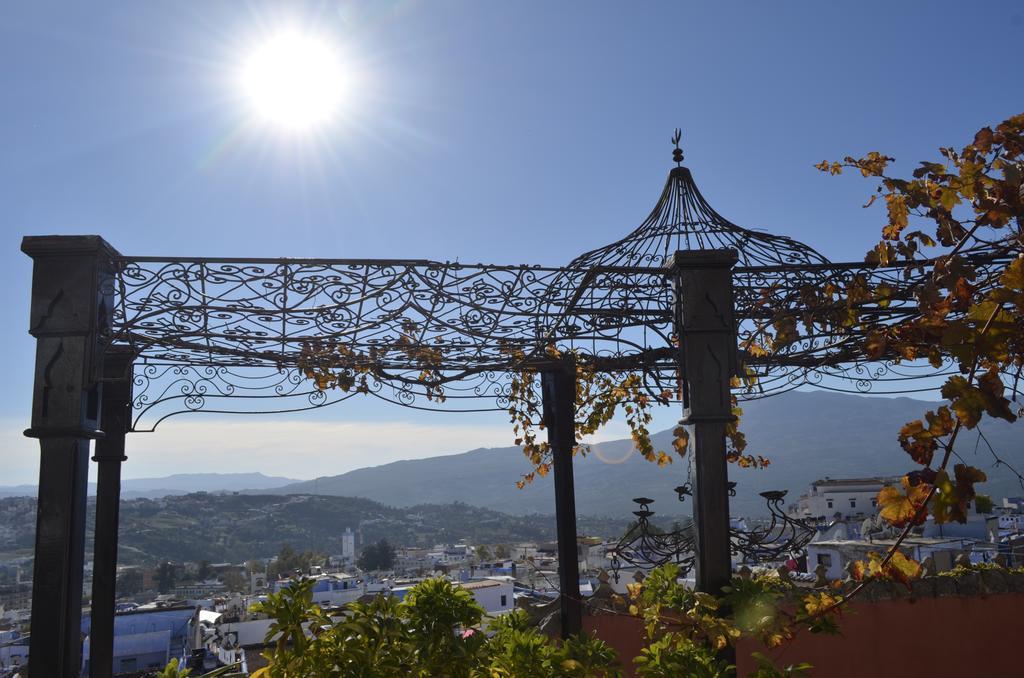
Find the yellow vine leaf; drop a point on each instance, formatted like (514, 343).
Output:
(818, 603)
(1013, 276)
(898, 568)
(680, 440)
(901, 507)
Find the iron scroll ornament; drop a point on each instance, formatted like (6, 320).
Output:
(644, 548)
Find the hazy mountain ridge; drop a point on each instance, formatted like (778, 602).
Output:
(178, 483)
(806, 435)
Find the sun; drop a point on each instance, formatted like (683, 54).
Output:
(294, 81)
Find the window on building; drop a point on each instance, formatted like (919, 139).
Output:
(825, 559)
(874, 503)
(504, 600)
(853, 503)
(829, 502)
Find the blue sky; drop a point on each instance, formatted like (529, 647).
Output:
(495, 132)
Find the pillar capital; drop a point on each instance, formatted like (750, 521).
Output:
(70, 317)
(71, 294)
(38, 246)
(718, 258)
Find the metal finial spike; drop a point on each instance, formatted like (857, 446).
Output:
(677, 154)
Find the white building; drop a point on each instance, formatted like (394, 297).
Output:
(243, 633)
(199, 589)
(494, 594)
(348, 545)
(1012, 522)
(981, 527)
(836, 555)
(413, 561)
(842, 498)
(1011, 514)
(450, 555)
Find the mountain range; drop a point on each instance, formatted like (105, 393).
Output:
(806, 436)
(235, 528)
(178, 483)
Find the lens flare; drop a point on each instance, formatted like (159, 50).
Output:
(609, 455)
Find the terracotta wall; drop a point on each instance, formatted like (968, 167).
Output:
(954, 636)
(622, 632)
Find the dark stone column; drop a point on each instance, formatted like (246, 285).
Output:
(70, 311)
(558, 387)
(708, 361)
(117, 410)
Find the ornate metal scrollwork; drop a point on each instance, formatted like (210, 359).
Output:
(783, 535)
(645, 547)
(686, 490)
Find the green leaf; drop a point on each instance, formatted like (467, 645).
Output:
(967, 400)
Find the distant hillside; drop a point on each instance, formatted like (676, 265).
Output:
(206, 482)
(235, 528)
(179, 483)
(806, 435)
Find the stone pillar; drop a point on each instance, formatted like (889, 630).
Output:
(72, 298)
(558, 388)
(708, 361)
(109, 453)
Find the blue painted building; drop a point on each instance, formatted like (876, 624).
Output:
(145, 638)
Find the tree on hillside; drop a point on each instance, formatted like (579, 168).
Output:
(501, 552)
(129, 582)
(289, 560)
(166, 577)
(483, 554)
(205, 570)
(378, 556)
(234, 581)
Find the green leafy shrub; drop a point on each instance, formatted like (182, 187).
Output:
(438, 630)
(689, 633)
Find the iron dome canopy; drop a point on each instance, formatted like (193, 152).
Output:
(683, 220)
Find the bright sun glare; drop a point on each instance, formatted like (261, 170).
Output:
(294, 81)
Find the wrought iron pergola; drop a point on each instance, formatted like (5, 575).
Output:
(229, 335)
(685, 301)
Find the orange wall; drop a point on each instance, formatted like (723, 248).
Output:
(952, 636)
(622, 632)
